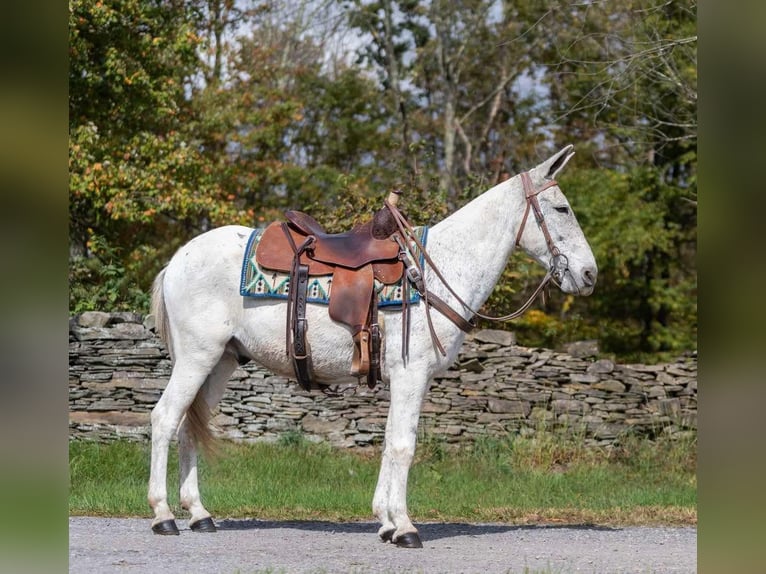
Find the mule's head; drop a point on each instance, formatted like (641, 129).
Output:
(552, 235)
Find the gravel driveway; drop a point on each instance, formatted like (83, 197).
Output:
(127, 545)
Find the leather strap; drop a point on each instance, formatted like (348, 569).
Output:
(443, 307)
(373, 375)
(405, 313)
(408, 232)
(301, 352)
(530, 194)
(297, 346)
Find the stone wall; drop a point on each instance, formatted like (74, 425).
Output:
(118, 369)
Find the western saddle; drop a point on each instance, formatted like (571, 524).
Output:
(301, 247)
(381, 249)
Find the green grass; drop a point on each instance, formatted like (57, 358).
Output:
(515, 480)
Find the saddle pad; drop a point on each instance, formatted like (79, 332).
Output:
(268, 284)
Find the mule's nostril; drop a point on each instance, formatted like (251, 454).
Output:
(589, 276)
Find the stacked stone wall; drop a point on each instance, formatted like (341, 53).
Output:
(118, 368)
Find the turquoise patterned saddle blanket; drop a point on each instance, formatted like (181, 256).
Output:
(270, 284)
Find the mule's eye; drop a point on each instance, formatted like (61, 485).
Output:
(562, 209)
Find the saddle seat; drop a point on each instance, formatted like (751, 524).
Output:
(351, 249)
(355, 259)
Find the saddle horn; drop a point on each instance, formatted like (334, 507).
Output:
(393, 197)
(383, 221)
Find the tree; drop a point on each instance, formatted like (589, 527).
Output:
(452, 84)
(167, 142)
(621, 82)
(139, 180)
(626, 71)
(297, 126)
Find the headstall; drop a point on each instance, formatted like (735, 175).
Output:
(558, 266)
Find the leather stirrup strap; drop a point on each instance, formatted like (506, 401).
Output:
(373, 376)
(297, 346)
(301, 352)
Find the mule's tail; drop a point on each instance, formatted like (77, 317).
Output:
(198, 419)
(198, 415)
(161, 321)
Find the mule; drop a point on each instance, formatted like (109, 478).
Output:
(209, 328)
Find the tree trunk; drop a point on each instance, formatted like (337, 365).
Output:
(448, 141)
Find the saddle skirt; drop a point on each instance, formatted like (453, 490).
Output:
(258, 281)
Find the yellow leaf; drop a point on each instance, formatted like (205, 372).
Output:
(567, 304)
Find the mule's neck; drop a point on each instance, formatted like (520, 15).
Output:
(471, 247)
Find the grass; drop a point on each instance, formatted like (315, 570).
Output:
(521, 481)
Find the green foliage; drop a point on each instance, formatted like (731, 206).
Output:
(127, 62)
(643, 241)
(139, 181)
(292, 438)
(101, 282)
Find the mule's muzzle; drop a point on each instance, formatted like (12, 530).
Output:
(589, 276)
(580, 285)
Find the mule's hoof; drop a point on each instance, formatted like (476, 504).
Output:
(204, 525)
(409, 540)
(387, 535)
(166, 527)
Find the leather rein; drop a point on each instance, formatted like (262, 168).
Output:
(414, 270)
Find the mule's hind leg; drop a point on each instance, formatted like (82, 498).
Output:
(187, 378)
(210, 393)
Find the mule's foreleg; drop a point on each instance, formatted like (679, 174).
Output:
(211, 393)
(390, 500)
(382, 490)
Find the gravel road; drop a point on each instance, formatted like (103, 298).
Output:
(127, 546)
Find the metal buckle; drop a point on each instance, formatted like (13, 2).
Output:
(557, 269)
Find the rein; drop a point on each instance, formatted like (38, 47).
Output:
(415, 271)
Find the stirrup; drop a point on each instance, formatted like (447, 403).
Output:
(360, 363)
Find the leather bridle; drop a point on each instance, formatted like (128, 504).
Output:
(558, 266)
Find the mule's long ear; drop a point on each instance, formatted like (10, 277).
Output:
(555, 163)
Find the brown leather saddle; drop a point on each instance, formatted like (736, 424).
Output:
(355, 259)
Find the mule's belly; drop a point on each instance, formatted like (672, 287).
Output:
(330, 344)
